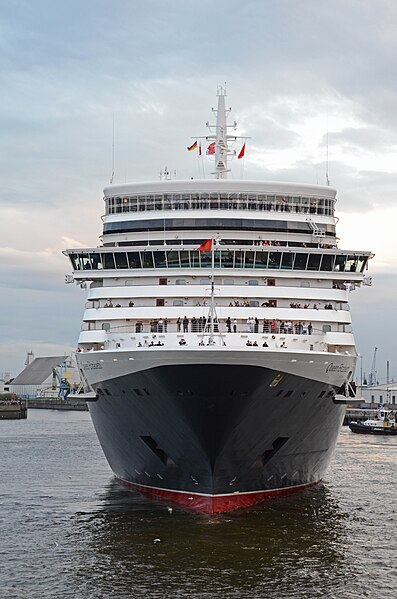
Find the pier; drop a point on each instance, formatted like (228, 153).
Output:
(52, 403)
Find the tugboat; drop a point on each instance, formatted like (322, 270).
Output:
(385, 423)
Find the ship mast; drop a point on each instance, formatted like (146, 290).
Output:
(221, 147)
(221, 136)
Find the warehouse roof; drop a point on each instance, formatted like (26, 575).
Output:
(38, 371)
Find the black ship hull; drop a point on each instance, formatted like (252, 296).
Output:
(216, 437)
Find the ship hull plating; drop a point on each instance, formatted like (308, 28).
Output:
(216, 437)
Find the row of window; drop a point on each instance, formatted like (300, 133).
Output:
(222, 259)
(220, 201)
(217, 224)
(224, 241)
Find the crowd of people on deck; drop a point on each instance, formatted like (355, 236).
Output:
(203, 324)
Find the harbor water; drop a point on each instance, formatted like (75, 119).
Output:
(68, 530)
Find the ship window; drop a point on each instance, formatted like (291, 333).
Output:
(96, 261)
(261, 260)
(180, 282)
(217, 259)
(121, 260)
(195, 259)
(321, 394)
(327, 262)
(271, 282)
(177, 302)
(85, 262)
(249, 259)
(274, 259)
(147, 259)
(105, 326)
(253, 282)
(134, 260)
(372, 398)
(108, 261)
(75, 261)
(362, 263)
(340, 263)
(185, 262)
(162, 280)
(239, 259)
(228, 281)
(160, 302)
(300, 262)
(159, 261)
(289, 393)
(254, 303)
(287, 260)
(204, 282)
(227, 260)
(206, 260)
(138, 392)
(351, 263)
(173, 259)
(314, 262)
(326, 328)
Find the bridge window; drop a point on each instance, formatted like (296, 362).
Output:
(134, 259)
(287, 260)
(160, 261)
(314, 262)
(173, 259)
(147, 259)
(274, 260)
(340, 263)
(108, 261)
(327, 262)
(300, 262)
(121, 260)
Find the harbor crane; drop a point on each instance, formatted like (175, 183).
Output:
(372, 376)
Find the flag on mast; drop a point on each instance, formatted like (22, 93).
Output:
(206, 246)
(193, 146)
(242, 152)
(200, 149)
(211, 148)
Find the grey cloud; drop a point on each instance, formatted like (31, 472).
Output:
(367, 138)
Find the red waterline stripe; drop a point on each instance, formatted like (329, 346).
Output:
(213, 504)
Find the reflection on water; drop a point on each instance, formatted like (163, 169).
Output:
(69, 531)
(294, 542)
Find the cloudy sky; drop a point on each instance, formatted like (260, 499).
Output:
(293, 69)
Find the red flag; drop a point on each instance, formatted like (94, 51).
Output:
(211, 148)
(193, 146)
(242, 152)
(206, 246)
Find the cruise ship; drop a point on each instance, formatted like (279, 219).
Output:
(216, 349)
